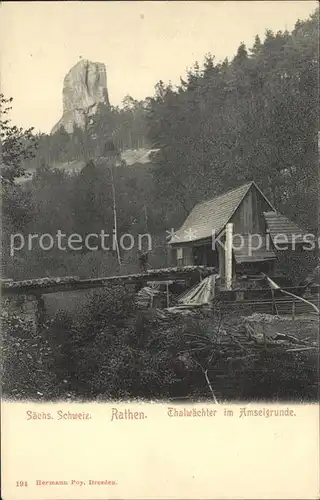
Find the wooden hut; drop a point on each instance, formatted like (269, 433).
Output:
(261, 235)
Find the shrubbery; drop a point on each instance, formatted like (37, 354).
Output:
(27, 360)
(110, 350)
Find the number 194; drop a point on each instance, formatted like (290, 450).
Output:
(21, 483)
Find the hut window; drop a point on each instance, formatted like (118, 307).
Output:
(179, 256)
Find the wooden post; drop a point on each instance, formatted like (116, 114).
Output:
(40, 312)
(294, 308)
(145, 217)
(264, 337)
(115, 216)
(228, 256)
(274, 304)
(168, 299)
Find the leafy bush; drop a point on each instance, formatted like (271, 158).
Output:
(110, 350)
(27, 359)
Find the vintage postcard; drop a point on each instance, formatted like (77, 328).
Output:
(160, 263)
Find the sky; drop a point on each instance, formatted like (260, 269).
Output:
(139, 42)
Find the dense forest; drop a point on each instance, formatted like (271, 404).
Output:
(254, 117)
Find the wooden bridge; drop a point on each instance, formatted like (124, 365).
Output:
(26, 297)
(40, 286)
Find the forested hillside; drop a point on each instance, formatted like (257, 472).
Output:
(254, 117)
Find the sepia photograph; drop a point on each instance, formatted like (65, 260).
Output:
(160, 265)
(160, 215)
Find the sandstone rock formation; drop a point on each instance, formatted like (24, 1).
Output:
(84, 87)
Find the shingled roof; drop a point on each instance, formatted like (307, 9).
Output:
(278, 224)
(211, 215)
(253, 250)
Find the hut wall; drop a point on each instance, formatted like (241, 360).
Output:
(248, 218)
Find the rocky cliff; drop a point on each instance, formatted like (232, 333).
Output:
(84, 87)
